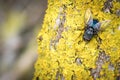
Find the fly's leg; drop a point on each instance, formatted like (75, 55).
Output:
(99, 40)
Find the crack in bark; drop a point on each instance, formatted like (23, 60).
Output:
(102, 58)
(60, 23)
(108, 5)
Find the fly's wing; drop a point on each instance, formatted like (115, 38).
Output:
(88, 18)
(101, 25)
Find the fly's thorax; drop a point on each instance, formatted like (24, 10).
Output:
(95, 21)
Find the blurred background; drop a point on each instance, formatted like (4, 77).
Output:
(20, 23)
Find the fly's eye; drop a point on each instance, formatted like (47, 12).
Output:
(89, 32)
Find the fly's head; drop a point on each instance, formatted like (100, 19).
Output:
(88, 34)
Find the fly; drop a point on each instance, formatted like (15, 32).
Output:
(92, 26)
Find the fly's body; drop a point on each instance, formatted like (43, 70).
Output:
(91, 30)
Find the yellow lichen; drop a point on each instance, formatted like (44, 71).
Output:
(64, 55)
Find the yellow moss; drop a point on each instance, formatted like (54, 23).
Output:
(60, 42)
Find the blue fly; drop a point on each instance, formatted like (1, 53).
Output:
(92, 26)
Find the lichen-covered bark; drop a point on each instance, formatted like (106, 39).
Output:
(64, 55)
